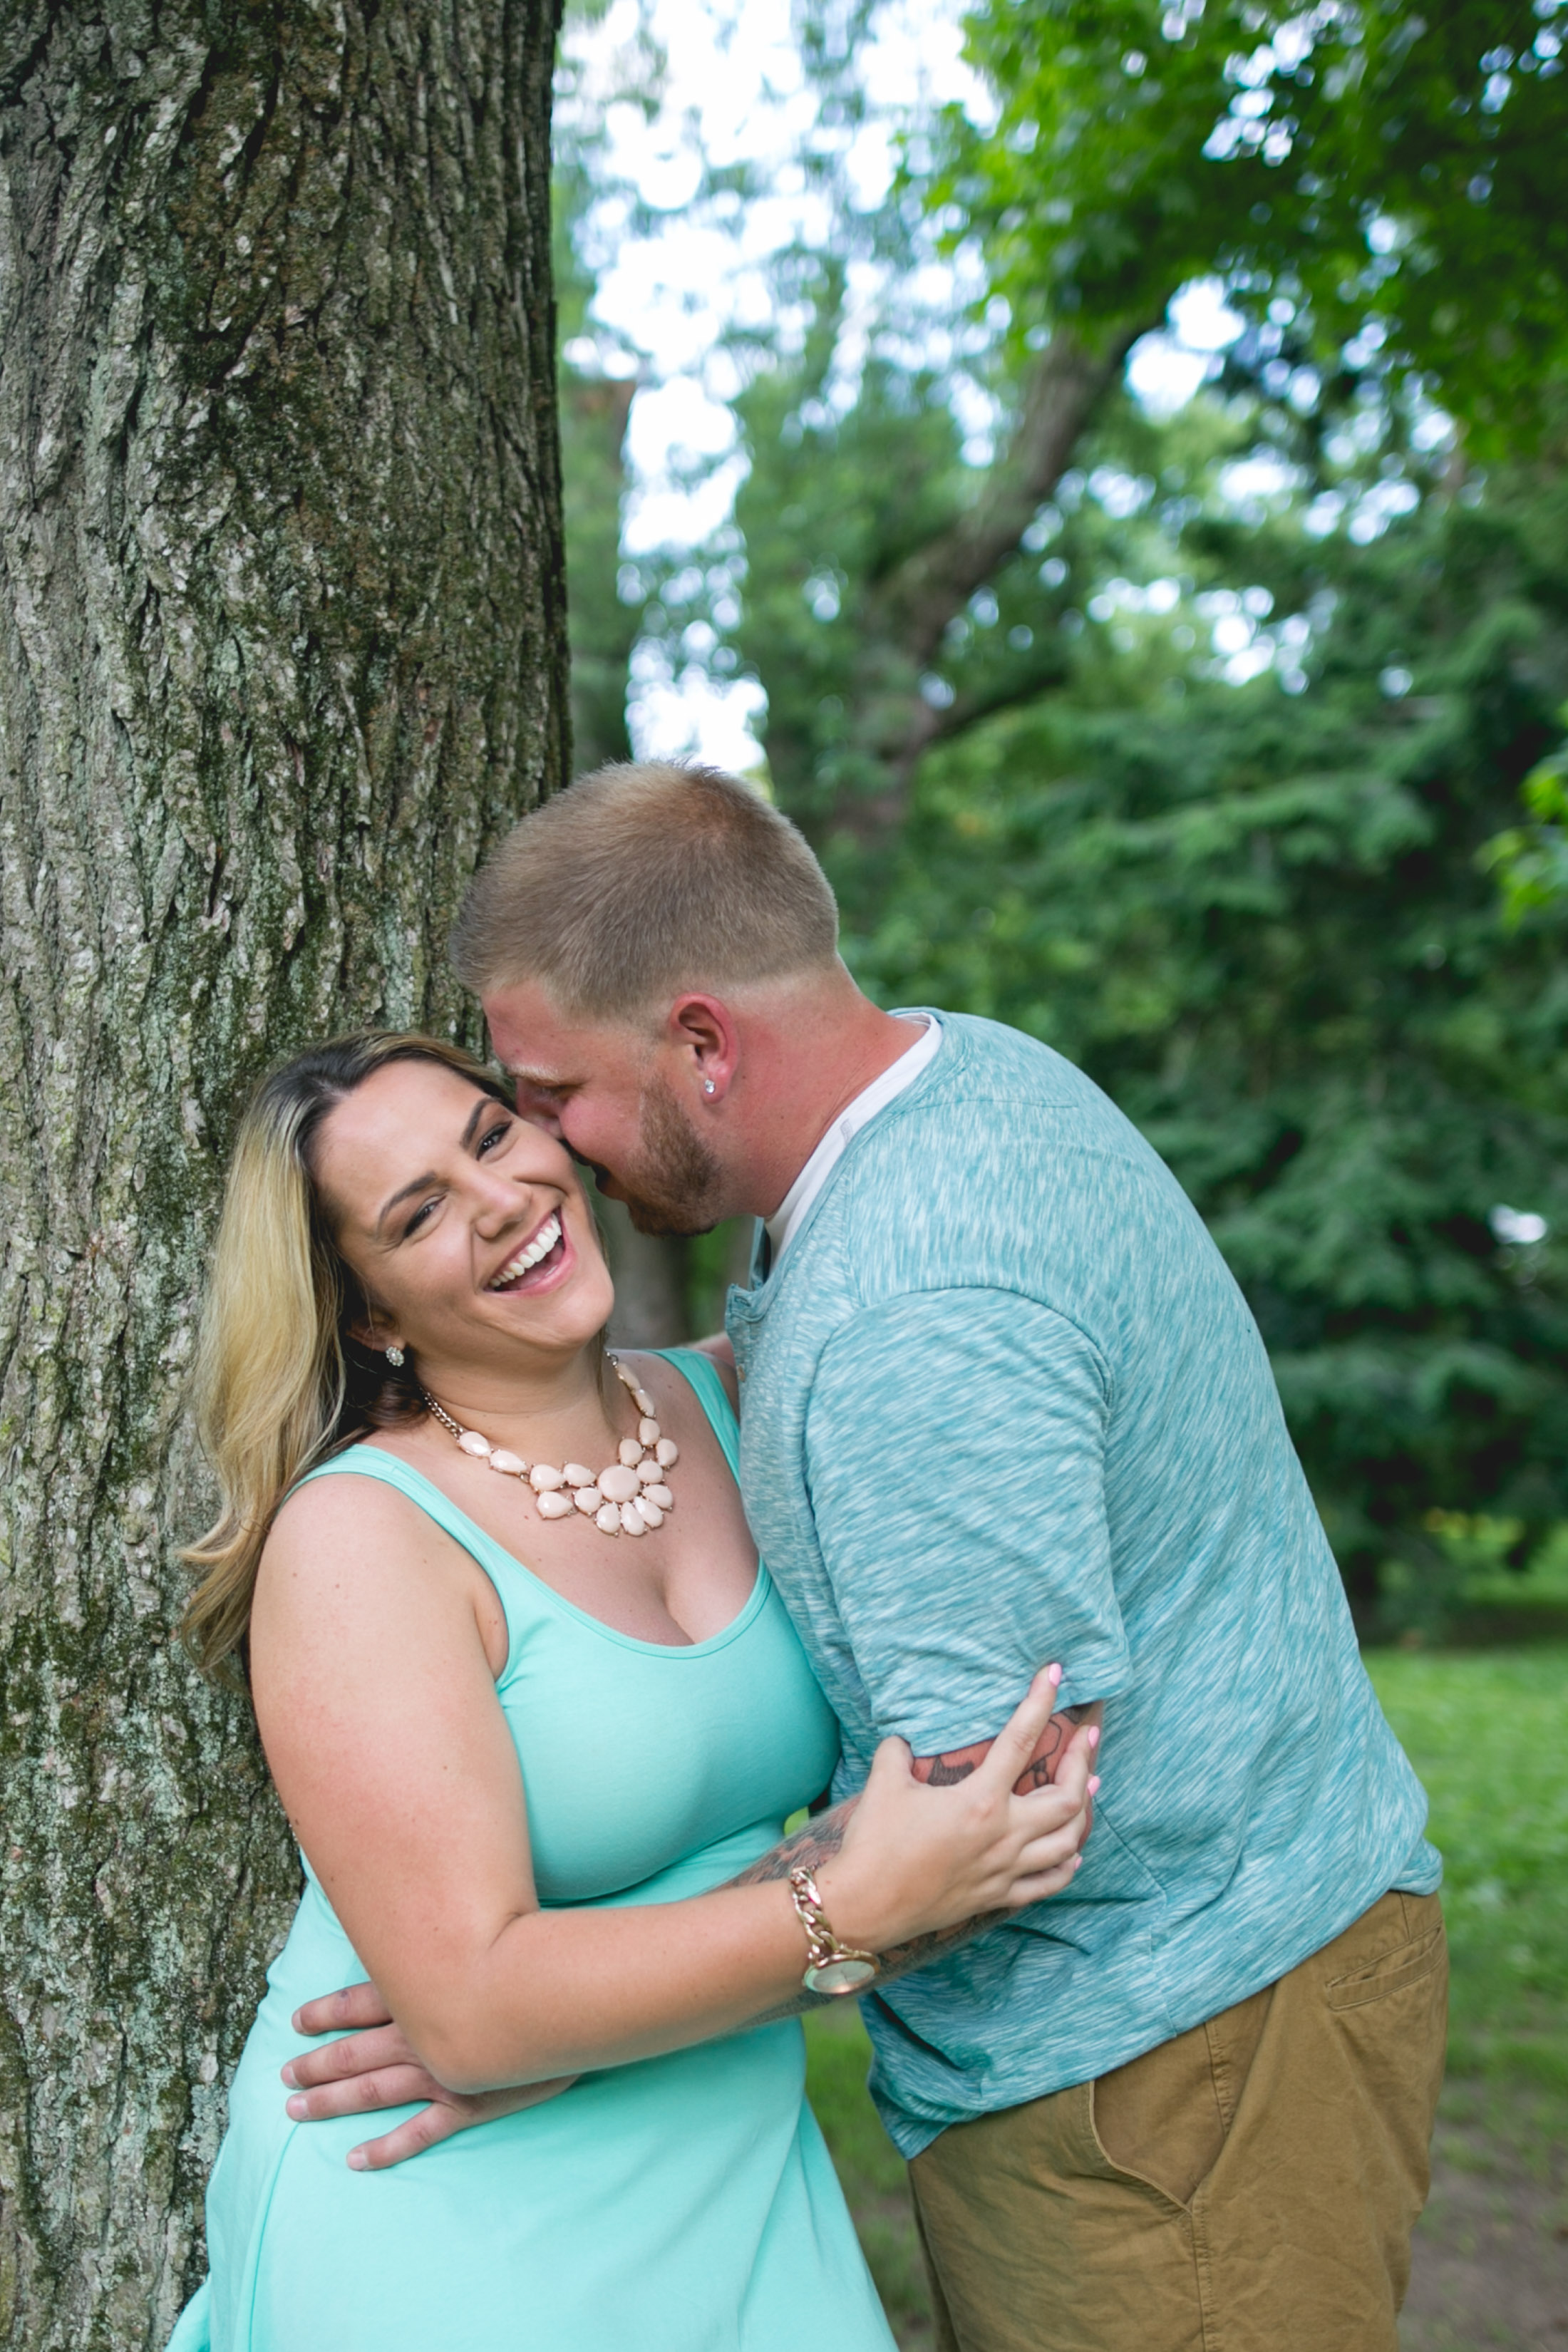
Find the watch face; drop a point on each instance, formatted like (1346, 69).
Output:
(840, 1976)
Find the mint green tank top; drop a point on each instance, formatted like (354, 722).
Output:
(638, 1757)
(684, 2203)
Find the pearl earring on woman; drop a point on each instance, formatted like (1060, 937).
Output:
(708, 1088)
(394, 1358)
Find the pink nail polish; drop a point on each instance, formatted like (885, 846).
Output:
(1094, 1735)
(1094, 1784)
(1054, 1673)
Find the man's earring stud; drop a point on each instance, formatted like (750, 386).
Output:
(394, 1358)
(708, 1088)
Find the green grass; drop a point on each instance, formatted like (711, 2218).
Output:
(1487, 1732)
(872, 2171)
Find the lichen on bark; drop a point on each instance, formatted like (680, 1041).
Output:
(281, 652)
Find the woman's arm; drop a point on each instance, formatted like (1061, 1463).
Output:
(378, 1711)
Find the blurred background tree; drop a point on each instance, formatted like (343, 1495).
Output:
(1184, 740)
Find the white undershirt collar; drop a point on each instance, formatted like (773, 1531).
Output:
(790, 1215)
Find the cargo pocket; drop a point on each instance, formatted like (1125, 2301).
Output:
(1407, 1964)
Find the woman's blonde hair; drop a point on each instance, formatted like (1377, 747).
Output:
(281, 1381)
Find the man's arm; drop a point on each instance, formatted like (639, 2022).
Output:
(820, 1838)
(373, 2066)
(958, 1763)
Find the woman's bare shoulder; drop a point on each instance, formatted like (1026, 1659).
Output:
(342, 1520)
(656, 1373)
(352, 1565)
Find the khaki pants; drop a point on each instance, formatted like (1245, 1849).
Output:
(1249, 2187)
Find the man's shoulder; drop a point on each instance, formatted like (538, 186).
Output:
(996, 1111)
(1003, 1168)
(983, 1058)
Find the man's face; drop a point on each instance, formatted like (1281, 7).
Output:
(602, 1089)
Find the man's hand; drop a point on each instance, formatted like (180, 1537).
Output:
(373, 2067)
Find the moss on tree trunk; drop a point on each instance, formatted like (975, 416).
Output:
(281, 651)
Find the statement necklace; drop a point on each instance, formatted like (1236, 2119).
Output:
(632, 1496)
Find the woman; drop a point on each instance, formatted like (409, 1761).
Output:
(520, 1789)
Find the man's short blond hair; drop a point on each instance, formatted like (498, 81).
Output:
(641, 880)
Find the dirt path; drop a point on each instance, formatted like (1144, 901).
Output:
(1492, 2254)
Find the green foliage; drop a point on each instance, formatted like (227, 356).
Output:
(1257, 910)
(1367, 163)
(1532, 860)
(841, 496)
(832, 505)
(1488, 1735)
(1256, 918)
(1254, 912)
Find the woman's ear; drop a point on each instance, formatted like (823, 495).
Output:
(381, 1338)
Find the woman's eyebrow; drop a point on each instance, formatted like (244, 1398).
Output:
(485, 1103)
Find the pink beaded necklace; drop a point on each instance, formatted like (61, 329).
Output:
(632, 1496)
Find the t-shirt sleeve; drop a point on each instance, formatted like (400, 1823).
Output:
(954, 1453)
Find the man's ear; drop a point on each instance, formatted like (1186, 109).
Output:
(705, 1036)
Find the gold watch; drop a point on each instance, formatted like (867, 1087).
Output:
(830, 1967)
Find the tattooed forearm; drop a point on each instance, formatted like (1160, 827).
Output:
(817, 1842)
(823, 1836)
(814, 1841)
(958, 1763)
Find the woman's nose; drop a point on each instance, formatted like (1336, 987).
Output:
(503, 1199)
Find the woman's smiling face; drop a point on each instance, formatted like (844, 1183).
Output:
(468, 1227)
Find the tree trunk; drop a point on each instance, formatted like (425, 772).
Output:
(594, 414)
(651, 1272)
(281, 652)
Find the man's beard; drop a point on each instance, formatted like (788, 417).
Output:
(677, 1184)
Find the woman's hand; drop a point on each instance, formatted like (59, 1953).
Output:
(916, 1860)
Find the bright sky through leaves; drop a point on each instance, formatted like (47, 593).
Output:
(735, 94)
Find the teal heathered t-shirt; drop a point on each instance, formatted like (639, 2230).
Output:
(1005, 1404)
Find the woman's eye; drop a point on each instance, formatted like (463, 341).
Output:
(502, 1128)
(425, 1209)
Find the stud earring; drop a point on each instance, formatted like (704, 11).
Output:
(708, 1088)
(394, 1358)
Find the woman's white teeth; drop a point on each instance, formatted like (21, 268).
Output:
(544, 1242)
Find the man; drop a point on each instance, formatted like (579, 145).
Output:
(1003, 1402)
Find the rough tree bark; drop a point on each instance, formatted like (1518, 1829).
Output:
(281, 650)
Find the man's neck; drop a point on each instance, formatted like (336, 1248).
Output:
(806, 1060)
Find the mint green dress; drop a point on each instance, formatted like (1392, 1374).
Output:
(682, 2204)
